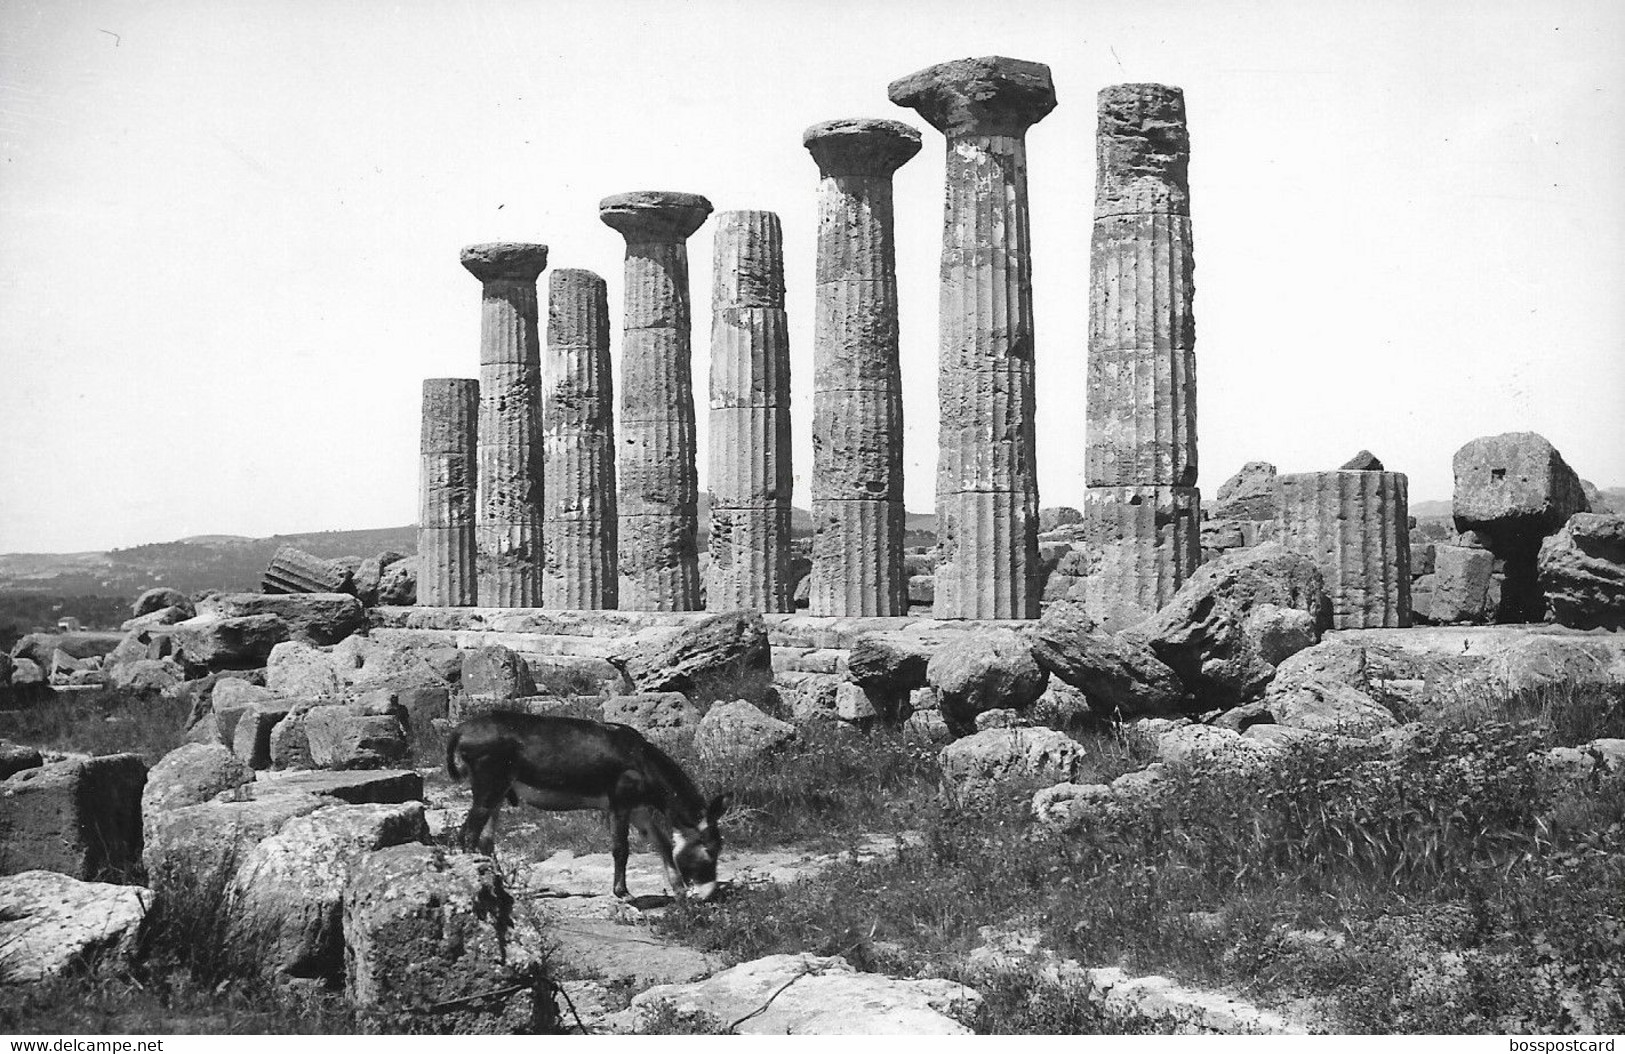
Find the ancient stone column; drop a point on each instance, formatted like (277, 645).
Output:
(446, 484)
(508, 521)
(578, 446)
(857, 481)
(749, 440)
(659, 487)
(1356, 527)
(1140, 423)
(987, 484)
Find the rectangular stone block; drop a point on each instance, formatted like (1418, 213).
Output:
(80, 818)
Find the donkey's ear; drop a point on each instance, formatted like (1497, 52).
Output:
(719, 805)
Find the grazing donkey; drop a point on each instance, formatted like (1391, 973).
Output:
(566, 763)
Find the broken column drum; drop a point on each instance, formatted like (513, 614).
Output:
(857, 480)
(578, 446)
(508, 524)
(1355, 526)
(446, 492)
(659, 487)
(1141, 506)
(987, 487)
(749, 439)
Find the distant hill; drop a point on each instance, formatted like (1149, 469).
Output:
(232, 562)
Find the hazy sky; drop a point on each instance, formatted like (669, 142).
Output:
(229, 231)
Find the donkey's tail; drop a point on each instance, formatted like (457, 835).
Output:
(451, 753)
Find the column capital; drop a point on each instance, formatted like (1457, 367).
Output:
(493, 261)
(654, 215)
(991, 95)
(861, 146)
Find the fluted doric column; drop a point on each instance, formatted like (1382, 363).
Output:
(857, 481)
(659, 486)
(987, 483)
(446, 484)
(1141, 506)
(578, 445)
(1356, 527)
(749, 440)
(508, 529)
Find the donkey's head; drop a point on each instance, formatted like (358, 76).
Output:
(695, 850)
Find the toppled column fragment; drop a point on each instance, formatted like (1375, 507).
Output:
(659, 485)
(749, 448)
(987, 486)
(1354, 524)
(446, 492)
(857, 482)
(508, 524)
(296, 571)
(579, 567)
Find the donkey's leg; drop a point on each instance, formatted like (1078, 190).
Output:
(490, 784)
(618, 848)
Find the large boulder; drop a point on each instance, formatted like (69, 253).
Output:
(496, 672)
(422, 928)
(1464, 586)
(195, 850)
(398, 583)
(347, 737)
(738, 731)
(1251, 494)
(158, 599)
(1221, 633)
(14, 757)
(289, 888)
(371, 573)
(1326, 705)
(989, 670)
(193, 773)
(302, 671)
(229, 642)
(977, 768)
(147, 676)
(1113, 672)
(722, 656)
(1514, 486)
(662, 717)
(312, 618)
(888, 666)
(51, 923)
(809, 995)
(1511, 492)
(251, 732)
(79, 817)
(1582, 571)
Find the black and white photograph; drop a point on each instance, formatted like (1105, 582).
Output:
(646, 518)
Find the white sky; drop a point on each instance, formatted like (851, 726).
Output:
(229, 230)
